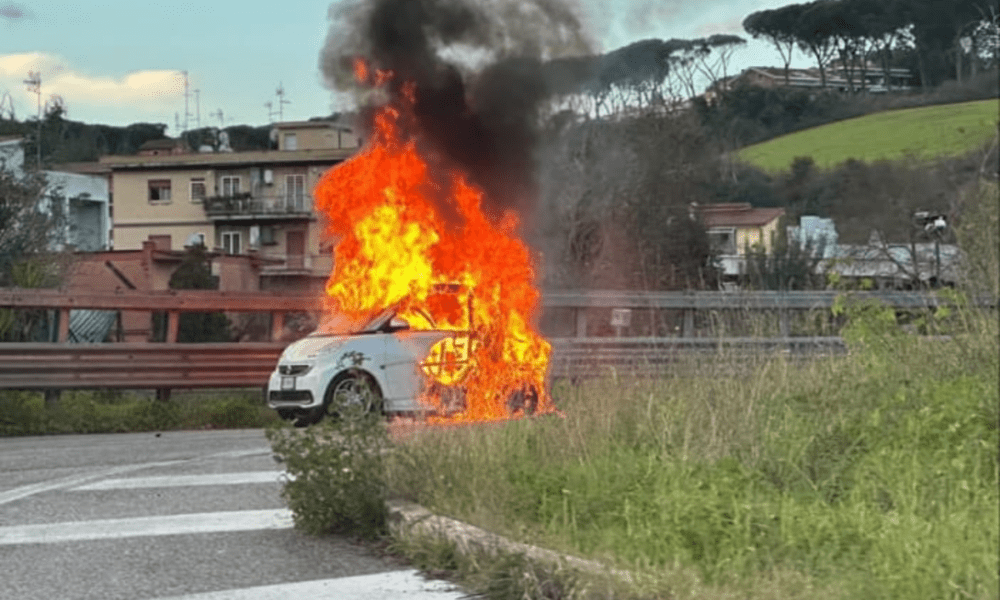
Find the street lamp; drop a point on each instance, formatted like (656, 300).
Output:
(934, 225)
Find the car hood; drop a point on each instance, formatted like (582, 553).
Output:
(311, 347)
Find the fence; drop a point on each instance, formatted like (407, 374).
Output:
(172, 365)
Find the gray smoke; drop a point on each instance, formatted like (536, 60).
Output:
(13, 12)
(479, 71)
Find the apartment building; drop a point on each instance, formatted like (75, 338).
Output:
(257, 203)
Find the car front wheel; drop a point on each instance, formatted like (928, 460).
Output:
(352, 392)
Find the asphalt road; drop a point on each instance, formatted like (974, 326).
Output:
(182, 515)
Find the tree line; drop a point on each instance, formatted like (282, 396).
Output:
(884, 32)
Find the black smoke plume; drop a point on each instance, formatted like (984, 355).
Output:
(482, 118)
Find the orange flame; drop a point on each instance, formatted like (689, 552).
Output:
(395, 247)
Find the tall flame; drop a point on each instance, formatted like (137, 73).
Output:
(396, 247)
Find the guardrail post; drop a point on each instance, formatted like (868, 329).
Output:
(63, 326)
(783, 324)
(581, 321)
(277, 325)
(688, 330)
(173, 324)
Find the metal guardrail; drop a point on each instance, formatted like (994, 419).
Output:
(797, 300)
(172, 365)
(36, 366)
(173, 302)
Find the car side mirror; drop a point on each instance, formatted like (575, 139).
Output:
(397, 323)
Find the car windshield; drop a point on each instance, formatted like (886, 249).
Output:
(341, 325)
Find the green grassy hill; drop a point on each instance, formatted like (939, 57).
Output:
(925, 132)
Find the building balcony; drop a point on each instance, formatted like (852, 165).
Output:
(249, 207)
(286, 265)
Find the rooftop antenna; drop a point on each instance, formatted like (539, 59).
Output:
(221, 116)
(270, 111)
(187, 95)
(197, 108)
(34, 83)
(280, 93)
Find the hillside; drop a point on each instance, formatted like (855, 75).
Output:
(924, 132)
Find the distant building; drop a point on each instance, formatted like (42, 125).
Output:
(85, 196)
(817, 233)
(734, 228)
(875, 80)
(235, 203)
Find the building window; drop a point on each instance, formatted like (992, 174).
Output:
(291, 141)
(159, 190)
(267, 237)
(231, 242)
(230, 186)
(723, 241)
(295, 192)
(197, 189)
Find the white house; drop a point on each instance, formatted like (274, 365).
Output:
(85, 195)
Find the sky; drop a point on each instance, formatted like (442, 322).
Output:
(123, 61)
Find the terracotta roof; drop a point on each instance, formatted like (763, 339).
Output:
(738, 215)
(310, 125)
(84, 168)
(228, 159)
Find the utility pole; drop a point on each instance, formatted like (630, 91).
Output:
(34, 83)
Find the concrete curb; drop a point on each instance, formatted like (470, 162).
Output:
(408, 519)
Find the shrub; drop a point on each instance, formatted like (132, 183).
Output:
(336, 473)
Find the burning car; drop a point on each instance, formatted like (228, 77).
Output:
(385, 365)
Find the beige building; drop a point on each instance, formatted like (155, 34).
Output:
(257, 203)
(734, 228)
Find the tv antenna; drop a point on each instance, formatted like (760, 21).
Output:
(197, 109)
(280, 94)
(221, 116)
(187, 96)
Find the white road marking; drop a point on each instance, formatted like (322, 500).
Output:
(165, 481)
(65, 482)
(76, 480)
(103, 529)
(379, 586)
(238, 453)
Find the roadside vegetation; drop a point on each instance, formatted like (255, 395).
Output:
(928, 132)
(111, 411)
(873, 474)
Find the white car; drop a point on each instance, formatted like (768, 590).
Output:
(384, 366)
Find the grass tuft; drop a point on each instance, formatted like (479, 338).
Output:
(112, 411)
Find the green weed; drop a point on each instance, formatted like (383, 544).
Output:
(112, 411)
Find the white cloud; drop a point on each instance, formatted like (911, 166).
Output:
(143, 92)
